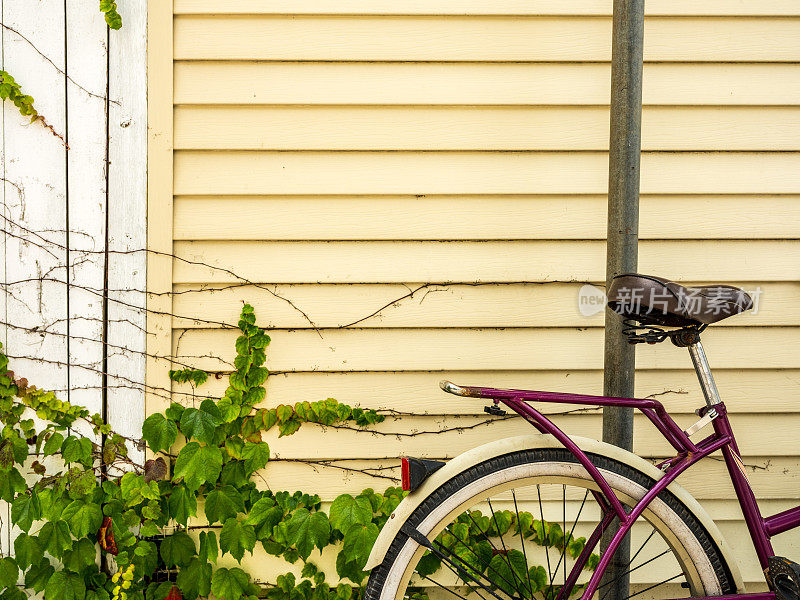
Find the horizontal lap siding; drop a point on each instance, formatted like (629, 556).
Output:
(473, 128)
(393, 83)
(415, 191)
(477, 7)
(480, 39)
(478, 217)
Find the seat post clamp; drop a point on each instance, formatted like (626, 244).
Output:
(685, 337)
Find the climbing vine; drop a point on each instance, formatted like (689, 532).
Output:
(11, 90)
(162, 526)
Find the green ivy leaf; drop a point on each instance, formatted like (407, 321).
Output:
(428, 565)
(236, 537)
(6, 454)
(198, 464)
(9, 572)
(174, 411)
(500, 523)
(284, 412)
(84, 518)
(13, 449)
(135, 489)
(209, 551)
(289, 427)
(264, 515)
(77, 450)
(177, 550)
(11, 484)
(53, 444)
(306, 530)
(97, 594)
(228, 410)
(27, 550)
(348, 569)
(223, 503)
(55, 537)
(256, 376)
(195, 580)
(538, 577)
(14, 594)
(309, 570)
(511, 569)
(347, 511)
(233, 473)
(254, 395)
(358, 542)
(81, 482)
(269, 418)
(81, 555)
(25, 510)
(159, 432)
(182, 504)
(148, 562)
(201, 423)
(38, 575)
(255, 456)
(65, 586)
(229, 584)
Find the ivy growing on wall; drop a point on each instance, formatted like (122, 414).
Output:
(161, 527)
(11, 90)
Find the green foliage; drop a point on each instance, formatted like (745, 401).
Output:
(11, 90)
(109, 10)
(159, 432)
(210, 453)
(230, 584)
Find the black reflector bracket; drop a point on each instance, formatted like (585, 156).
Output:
(416, 470)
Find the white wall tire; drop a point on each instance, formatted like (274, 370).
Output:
(702, 563)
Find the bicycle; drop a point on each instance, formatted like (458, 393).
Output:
(439, 541)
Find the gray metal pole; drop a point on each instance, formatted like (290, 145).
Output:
(622, 241)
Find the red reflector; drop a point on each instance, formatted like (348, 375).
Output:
(404, 475)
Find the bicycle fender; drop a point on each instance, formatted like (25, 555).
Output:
(468, 459)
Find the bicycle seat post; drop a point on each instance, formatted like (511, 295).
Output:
(704, 374)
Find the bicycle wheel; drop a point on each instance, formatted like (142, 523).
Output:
(512, 528)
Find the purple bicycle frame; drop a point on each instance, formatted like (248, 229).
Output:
(688, 453)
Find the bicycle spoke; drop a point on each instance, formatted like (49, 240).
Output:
(649, 560)
(447, 589)
(488, 539)
(488, 565)
(564, 530)
(458, 572)
(649, 537)
(522, 539)
(466, 561)
(653, 586)
(546, 549)
(571, 531)
(505, 550)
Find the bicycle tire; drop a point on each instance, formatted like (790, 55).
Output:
(694, 546)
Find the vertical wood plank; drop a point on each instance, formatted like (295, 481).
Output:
(127, 202)
(159, 196)
(34, 190)
(86, 199)
(35, 193)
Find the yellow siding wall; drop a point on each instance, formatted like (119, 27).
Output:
(340, 155)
